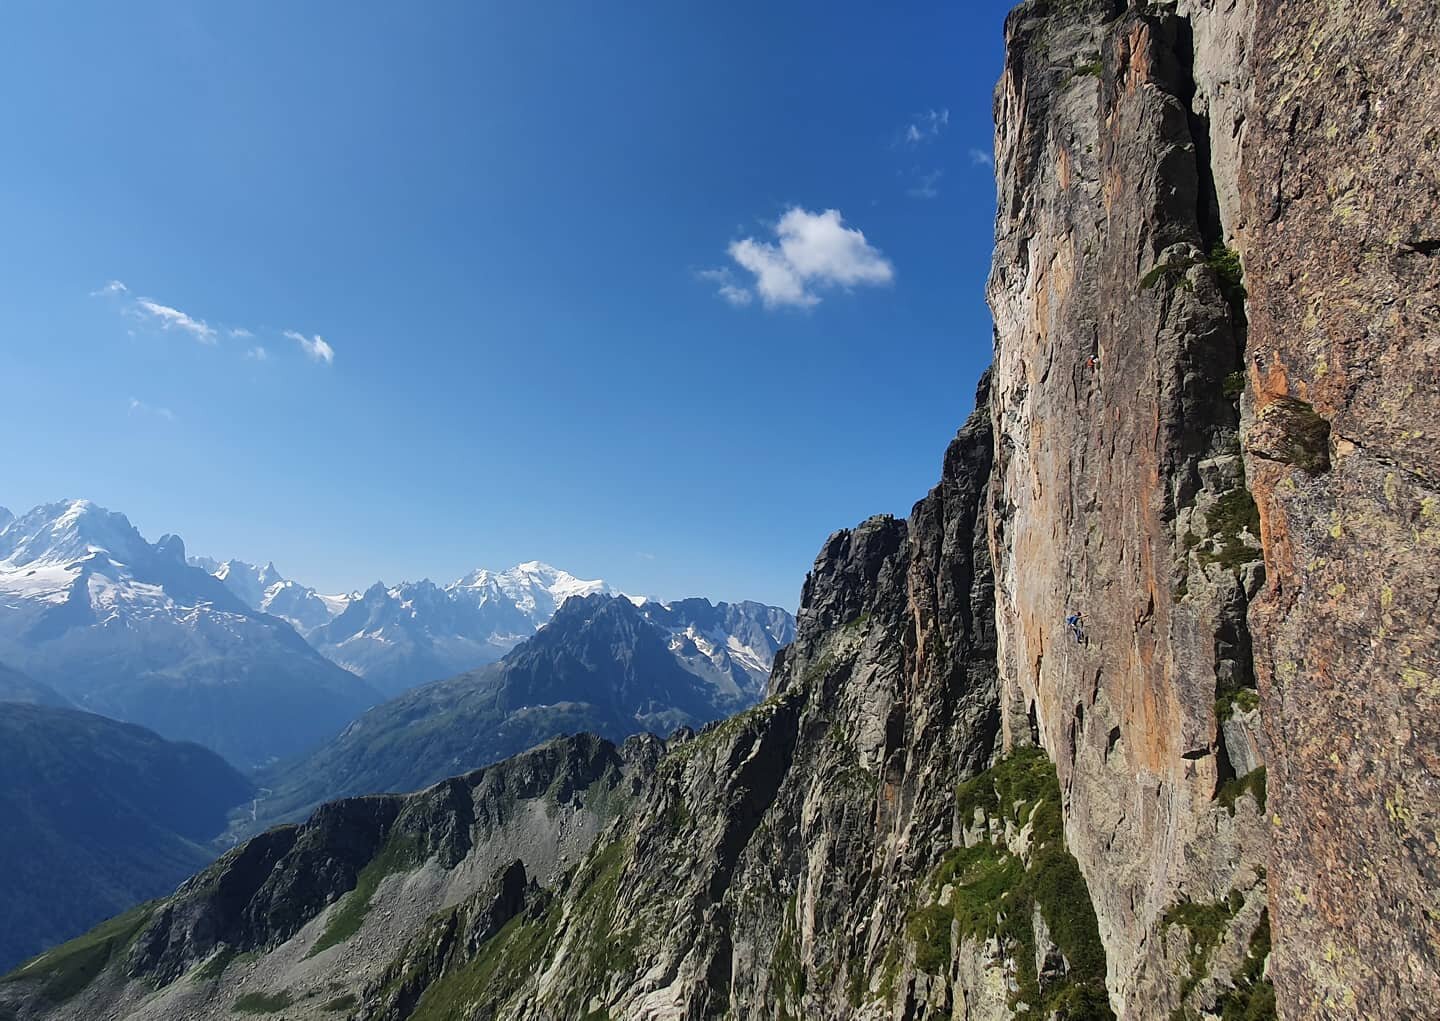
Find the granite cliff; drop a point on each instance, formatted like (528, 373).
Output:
(1208, 437)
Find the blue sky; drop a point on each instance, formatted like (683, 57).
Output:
(532, 281)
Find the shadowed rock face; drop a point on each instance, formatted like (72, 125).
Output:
(1342, 190)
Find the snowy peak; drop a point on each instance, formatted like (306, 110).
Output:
(302, 606)
(71, 530)
(399, 636)
(733, 644)
(267, 590)
(534, 588)
(248, 581)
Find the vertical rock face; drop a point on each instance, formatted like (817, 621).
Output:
(1342, 190)
(1119, 488)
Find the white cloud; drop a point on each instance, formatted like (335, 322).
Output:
(112, 288)
(924, 187)
(315, 347)
(258, 354)
(925, 126)
(981, 157)
(737, 296)
(812, 251)
(139, 407)
(726, 287)
(240, 333)
(173, 318)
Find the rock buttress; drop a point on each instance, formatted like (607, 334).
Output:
(1119, 490)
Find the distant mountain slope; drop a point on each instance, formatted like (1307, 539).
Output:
(98, 815)
(17, 687)
(130, 630)
(602, 665)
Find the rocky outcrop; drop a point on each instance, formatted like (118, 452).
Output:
(449, 940)
(1342, 261)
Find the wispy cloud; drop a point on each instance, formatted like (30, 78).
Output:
(981, 157)
(812, 252)
(925, 127)
(167, 317)
(139, 407)
(172, 318)
(646, 556)
(925, 185)
(726, 287)
(315, 346)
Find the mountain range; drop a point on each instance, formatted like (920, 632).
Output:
(400, 636)
(128, 629)
(101, 814)
(262, 668)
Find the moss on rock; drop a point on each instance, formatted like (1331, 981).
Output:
(994, 892)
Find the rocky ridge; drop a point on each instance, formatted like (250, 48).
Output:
(303, 918)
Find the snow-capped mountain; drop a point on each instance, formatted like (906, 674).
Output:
(733, 645)
(537, 590)
(130, 630)
(247, 581)
(399, 636)
(143, 633)
(302, 606)
(267, 590)
(404, 635)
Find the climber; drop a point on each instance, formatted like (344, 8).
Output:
(1073, 622)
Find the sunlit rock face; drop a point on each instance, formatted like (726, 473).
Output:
(1120, 490)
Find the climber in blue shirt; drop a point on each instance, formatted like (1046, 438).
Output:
(1073, 621)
